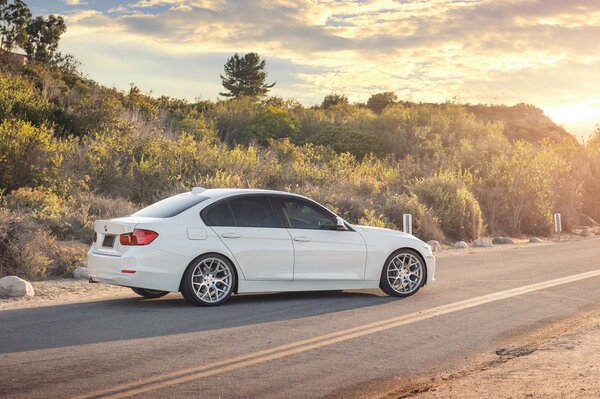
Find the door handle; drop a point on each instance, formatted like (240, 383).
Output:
(301, 239)
(230, 235)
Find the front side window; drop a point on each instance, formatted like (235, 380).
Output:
(219, 215)
(304, 215)
(171, 206)
(254, 211)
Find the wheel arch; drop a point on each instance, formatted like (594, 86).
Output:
(394, 252)
(235, 268)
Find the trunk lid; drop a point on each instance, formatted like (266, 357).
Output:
(108, 232)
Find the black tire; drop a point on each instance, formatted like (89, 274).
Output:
(150, 294)
(385, 284)
(192, 279)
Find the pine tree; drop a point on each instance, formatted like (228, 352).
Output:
(245, 76)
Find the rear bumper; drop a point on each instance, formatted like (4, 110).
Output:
(148, 268)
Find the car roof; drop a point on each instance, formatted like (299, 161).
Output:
(226, 192)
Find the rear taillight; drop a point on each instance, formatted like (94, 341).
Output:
(95, 236)
(138, 237)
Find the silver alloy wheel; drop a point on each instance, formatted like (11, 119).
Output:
(405, 273)
(212, 280)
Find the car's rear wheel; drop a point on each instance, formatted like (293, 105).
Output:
(208, 281)
(403, 273)
(149, 293)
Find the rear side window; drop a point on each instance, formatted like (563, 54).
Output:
(254, 211)
(219, 215)
(171, 206)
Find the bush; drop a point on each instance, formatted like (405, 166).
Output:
(347, 139)
(30, 156)
(20, 100)
(65, 219)
(29, 251)
(451, 201)
(273, 123)
(425, 225)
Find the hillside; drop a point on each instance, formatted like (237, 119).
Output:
(521, 122)
(72, 150)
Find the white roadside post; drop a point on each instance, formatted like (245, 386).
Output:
(557, 225)
(407, 223)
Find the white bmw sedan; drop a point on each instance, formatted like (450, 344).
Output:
(209, 244)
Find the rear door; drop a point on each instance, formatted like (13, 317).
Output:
(321, 251)
(255, 235)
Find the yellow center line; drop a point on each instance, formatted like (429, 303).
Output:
(190, 374)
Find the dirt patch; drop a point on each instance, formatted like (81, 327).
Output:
(61, 291)
(557, 361)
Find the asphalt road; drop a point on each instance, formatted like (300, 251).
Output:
(295, 345)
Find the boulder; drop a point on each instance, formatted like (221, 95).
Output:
(586, 232)
(461, 244)
(502, 240)
(535, 240)
(482, 243)
(12, 286)
(81, 273)
(435, 245)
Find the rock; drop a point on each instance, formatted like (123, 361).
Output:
(586, 232)
(81, 273)
(12, 286)
(435, 245)
(482, 243)
(535, 240)
(461, 244)
(502, 240)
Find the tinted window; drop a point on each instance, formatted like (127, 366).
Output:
(219, 215)
(304, 215)
(253, 212)
(171, 206)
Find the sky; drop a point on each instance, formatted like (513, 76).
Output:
(542, 52)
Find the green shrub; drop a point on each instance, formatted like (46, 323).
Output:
(30, 156)
(20, 100)
(453, 204)
(425, 225)
(347, 139)
(273, 123)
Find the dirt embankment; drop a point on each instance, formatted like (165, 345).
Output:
(557, 361)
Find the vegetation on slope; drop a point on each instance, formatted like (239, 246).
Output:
(72, 151)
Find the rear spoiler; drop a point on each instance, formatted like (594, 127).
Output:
(110, 227)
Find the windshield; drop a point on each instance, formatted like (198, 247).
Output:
(171, 206)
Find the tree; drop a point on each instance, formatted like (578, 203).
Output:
(14, 19)
(245, 77)
(378, 102)
(333, 99)
(43, 37)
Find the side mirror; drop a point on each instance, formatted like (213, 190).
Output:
(339, 224)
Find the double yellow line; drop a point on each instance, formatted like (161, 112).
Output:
(187, 375)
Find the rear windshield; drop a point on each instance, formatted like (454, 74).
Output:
(171, 206)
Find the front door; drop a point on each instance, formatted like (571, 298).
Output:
(321, 252)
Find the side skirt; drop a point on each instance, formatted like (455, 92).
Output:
(246, 286)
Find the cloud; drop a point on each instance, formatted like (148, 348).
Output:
(75, 2)
(430, 50)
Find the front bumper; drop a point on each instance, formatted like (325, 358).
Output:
(430, 262)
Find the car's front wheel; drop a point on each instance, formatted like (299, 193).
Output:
(403, 273)
(149, 293)
(208, 281)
